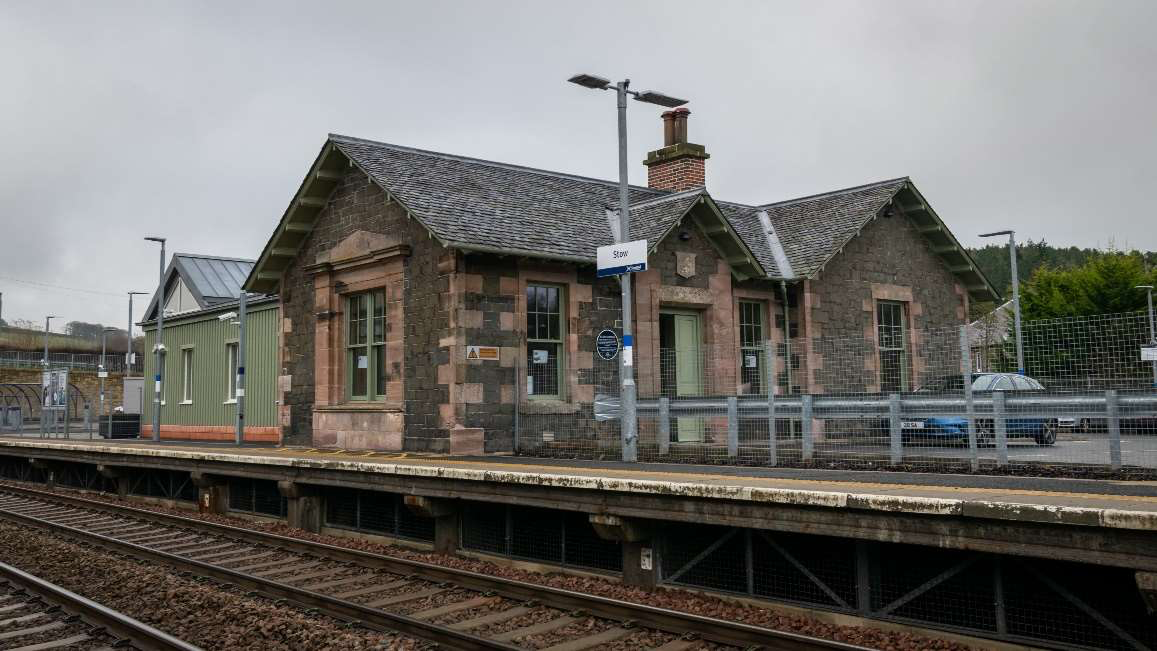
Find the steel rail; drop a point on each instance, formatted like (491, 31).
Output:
(140, 635)
(333, 607)
(671, 621)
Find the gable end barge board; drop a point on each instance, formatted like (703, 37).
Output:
(1089, 535)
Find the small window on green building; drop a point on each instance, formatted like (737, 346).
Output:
(186, 375)
(231, 365)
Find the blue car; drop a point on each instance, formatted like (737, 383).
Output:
(1041, 430)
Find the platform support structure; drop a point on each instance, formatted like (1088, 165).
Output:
(212, 492)
(447, 520)
(640, 556)
(305, 507)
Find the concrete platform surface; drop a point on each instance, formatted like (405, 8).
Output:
(1085, 503)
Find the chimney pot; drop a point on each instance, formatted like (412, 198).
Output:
(668, 128)
(681, 114)
(678, 165)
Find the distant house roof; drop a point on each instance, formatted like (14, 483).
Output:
(480, 205)
(210, 280)
(992, 328)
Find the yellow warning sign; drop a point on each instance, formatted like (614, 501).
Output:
(482, 352)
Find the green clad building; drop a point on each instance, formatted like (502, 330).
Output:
(201, 336)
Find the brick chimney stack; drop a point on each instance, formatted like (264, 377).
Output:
(679, 165)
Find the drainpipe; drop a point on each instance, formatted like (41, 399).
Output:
(786, 336)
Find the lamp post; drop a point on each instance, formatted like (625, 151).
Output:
(629, 434)
(129, 330)
(159, 347)
(44, 363)
(1152, 328)
(102, 373)
(1015, 295)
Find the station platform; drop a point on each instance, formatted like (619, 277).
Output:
(1091, 521)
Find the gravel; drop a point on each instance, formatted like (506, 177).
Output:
(663, 597)
(199, 613)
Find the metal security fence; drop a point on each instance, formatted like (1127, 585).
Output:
(113, 362)
(256, 496)
(945, 399)
(1038, 602)
(559, 537)
(376, 513)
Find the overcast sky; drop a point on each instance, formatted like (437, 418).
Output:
(197, 121)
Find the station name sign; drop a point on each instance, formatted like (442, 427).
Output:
(622, 258)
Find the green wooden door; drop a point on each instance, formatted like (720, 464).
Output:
(688, 371)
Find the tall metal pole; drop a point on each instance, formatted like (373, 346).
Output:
(45, 360)
(159, 347)
(44, 398)
(1016, 303)
(240, 434)
(1152, 328)
(627, 365)
(101, 374)
(129, 337)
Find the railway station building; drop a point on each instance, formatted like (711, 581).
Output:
(428, 301)
(201, 337)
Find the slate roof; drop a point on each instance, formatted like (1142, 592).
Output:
(813, 229)
(481, 205)
(212, 280)
(468, 201)
(471, 201)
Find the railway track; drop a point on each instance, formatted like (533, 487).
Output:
(455, 608)
(36, 615)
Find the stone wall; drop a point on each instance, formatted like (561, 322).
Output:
(356, 205)
(889, 260)
(85, 381)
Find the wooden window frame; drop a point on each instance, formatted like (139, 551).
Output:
(747, 308)
(373, 346)
(187, 375)
(559, 340)
(232, 351)
(902, 347)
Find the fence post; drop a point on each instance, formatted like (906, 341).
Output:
(772, 435)
(969, 405)
(896, 441)
(805, 425)
(664, 425)
(732, 426)
(1000, 424)
(1113, 422)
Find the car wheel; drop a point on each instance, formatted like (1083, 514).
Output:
(1047, 436)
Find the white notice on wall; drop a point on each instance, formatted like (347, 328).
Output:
(749, 361)
(645, 558)
(363, 362)
(1149, 354)
(541, 356)
(530, 385)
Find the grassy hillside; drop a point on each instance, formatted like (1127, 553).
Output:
(22, 339)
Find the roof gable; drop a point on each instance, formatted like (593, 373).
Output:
(210, 280)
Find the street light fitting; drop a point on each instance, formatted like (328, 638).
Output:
(997, 233)
(1143, 287)
(590, 81)
(156, 239)
(655, 97)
